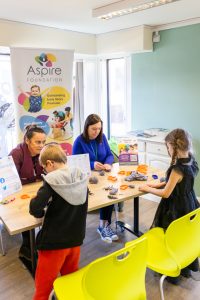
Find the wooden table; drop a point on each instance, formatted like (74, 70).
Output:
(100, 198)
(16, 218)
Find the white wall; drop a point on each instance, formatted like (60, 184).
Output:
(17, 34)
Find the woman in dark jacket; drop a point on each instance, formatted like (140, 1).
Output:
(25, 157)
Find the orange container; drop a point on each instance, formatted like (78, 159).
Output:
(24, 196)
(142, 169)
(112, 178)
(123, 187)
(122, 172)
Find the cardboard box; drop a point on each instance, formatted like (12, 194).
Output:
(128, 152)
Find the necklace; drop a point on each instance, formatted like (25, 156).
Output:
(94, 149)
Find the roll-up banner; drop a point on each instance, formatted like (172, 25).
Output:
(42, 83)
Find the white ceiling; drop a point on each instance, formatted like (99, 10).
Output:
(76, 15)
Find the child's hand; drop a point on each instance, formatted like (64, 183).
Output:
(144, 188)
(153, 185)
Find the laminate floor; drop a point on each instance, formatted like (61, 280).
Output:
(17, 284)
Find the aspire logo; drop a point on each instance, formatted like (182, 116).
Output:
(45, 59)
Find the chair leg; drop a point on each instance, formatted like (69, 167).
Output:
(1, 240)
(120, 206)
(52, 296)
(161, 286)
(116, 214)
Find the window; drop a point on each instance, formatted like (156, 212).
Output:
(86, 91)
(7, 140)
(116, 95)
(91, 101)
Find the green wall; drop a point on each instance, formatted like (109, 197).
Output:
(166, 85)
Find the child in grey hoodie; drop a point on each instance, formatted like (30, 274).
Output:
(63, 201)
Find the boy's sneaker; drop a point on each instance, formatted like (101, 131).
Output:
(104, 234)
(111, 233)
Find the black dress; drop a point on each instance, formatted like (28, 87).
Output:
(182, 200)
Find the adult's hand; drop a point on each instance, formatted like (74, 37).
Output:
(98, 166)
(107, 167)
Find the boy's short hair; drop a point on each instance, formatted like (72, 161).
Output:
(52, 152)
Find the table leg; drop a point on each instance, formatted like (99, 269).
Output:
(124, 226)
(30, 264)
(33, 255)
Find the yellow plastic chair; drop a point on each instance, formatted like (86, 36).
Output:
(117, 276)
(175, 249)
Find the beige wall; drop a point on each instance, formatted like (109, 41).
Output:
(132, 40)
(15, 34)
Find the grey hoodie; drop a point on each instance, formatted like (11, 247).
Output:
(63, 201)
(69, 183)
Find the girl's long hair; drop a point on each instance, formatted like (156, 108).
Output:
(180, 140)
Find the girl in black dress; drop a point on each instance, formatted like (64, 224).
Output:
(177, 192)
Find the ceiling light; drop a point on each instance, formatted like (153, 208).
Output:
(125, 7)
